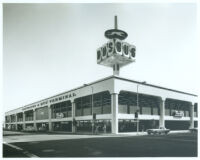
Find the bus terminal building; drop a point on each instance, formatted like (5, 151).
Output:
(110, 105)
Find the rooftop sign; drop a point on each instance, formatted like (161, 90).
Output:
(116, 53)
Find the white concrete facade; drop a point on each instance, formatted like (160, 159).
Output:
(114, 85)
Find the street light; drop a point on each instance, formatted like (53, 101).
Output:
(92, 108)
(138, 104)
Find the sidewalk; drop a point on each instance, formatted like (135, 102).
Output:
(17, 133)
(13, 133)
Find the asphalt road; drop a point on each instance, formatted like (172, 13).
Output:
(173, 145)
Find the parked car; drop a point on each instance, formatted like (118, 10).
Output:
(160, 130)
(30, 128)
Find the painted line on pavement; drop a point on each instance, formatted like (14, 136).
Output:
(20, 149)
(13, 146)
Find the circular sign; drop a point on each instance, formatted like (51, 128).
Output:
(115, 33)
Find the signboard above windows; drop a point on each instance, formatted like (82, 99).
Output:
(59, 115)
(178, 114)
(49, 101)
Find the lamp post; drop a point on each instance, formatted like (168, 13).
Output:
(91, 108)
(138, 104)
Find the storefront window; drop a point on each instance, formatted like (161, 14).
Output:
(172, 107)
(87, 105)
(13, 118)
(7, 119)
(29, 115)
(78, 107)
(20, 117)
(42, 113)
(29, 127)
(127, 126)
(123, 108)
(19, 127)
(146, 110)
(97, 103)
(128, 103)
(61, 110)
(177, 125)
(62, 126)
(167, 109)
(42, 126)
(99, 126)
(101, 104)
(106, 102)
(132, 109)
(155, 110)
(124, 102)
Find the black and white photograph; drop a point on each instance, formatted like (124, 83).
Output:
(100, 80)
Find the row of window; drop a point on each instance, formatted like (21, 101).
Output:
(129, 103)
(101, 104)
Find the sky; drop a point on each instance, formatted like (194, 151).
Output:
(51, 48)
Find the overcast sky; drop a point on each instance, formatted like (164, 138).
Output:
(51, 48)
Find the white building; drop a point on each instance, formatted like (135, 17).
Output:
(114, 103)
(111, 104)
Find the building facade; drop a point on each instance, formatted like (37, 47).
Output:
(110, 105)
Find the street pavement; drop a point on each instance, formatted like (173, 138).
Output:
(122, 145)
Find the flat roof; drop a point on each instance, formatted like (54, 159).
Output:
(110, 77)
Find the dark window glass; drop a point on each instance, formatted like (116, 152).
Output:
(147, 104)
(172, 106)
(61, 110)
(101, 104)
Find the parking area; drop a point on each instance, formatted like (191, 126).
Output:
(172, 145)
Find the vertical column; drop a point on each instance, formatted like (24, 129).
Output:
(49, 113)
(114, 105)
(16, 122)
(192, 116)
(116, 69)
(73, 117)
(34, 120)
(24, 126)
(162, 113)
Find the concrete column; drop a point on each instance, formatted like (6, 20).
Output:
(114, 105)
(116, 69)
(49, 113)
(73, 117)
(34, 120)
(162, 113)
(16, 122)
(24, 126)
(192, 116)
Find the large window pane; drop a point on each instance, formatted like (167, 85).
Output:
(106, 102)
(155, 111)
(42, 113)
(128, 103)
(123, 109)
(101, 104)
(177, 105)
(146, 110)
(61, 110)
(133, 109)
